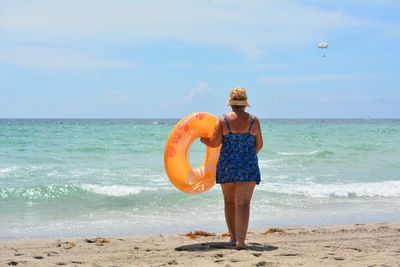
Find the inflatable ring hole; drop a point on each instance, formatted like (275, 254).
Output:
(196, 155)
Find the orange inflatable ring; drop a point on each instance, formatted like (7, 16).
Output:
(176, 154)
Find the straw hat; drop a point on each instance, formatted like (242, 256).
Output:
(238, 97)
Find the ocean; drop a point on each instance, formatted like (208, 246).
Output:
(102, 177)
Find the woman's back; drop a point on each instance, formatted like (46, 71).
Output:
(238, 123)
(238, 157)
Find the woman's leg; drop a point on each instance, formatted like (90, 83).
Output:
(243, 194)
(229, 201)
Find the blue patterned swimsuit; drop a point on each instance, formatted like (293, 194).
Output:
(238, 160)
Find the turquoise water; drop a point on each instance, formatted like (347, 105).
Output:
(106, 177)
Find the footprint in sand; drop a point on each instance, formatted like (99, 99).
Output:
(14, 263)
(261, 264)
(288, 254)
(38, 257)
(52, 253)
(356, 249)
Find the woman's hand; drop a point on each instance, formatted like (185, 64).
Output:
(216, 138)
(205, 140)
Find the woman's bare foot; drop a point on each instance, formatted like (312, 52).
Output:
(232, 240)
(240, 245)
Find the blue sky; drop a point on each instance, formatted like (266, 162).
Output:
(166, 59)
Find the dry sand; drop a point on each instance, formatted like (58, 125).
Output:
(349, 245)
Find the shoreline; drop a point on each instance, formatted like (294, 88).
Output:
(373, 244)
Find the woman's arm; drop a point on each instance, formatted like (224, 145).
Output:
(216, 138)
(259, 140)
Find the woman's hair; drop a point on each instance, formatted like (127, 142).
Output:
(238, 97)
(238, 93)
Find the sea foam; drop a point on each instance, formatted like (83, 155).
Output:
(373, 189)
(297, 153)
(116, 190)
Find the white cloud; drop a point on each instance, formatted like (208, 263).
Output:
(250, 27)
(56, 59)
(200, 90)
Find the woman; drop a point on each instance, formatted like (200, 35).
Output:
(237, 168)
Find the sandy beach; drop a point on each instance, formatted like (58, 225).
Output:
(341, 245)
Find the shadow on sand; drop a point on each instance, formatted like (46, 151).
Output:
(223, 245)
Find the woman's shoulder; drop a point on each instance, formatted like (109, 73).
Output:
(253, 117)
(256, 121)
(226, 116)
(222, 117)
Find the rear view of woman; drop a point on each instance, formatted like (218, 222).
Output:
(237, 168)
